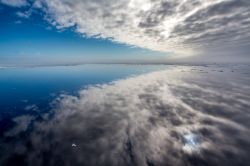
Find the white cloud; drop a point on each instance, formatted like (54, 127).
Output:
(15, 3)
(179, 26)
(23, 14)
(184, 27)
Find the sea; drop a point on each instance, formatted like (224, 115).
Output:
(125, 114)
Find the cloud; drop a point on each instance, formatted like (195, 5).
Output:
(22, 124)
(15, 3)
(18, 22)
(182, 27)
(32, 107)
(178, 26)
(161, 118)
(24, 14)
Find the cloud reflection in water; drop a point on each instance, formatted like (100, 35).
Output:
(179, 116)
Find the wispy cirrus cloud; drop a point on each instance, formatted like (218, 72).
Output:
(15, 3)
(24, 14)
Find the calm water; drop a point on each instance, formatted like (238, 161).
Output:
(123, 115)
(23, 88)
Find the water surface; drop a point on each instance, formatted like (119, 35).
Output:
(126, 115)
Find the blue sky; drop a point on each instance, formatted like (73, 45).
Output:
(74, 31)
(33, 40)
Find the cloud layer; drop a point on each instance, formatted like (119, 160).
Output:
(15, 3)
(161, 118)
(184, 27)
(179, 26)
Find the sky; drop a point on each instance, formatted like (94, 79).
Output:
(76, 31)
